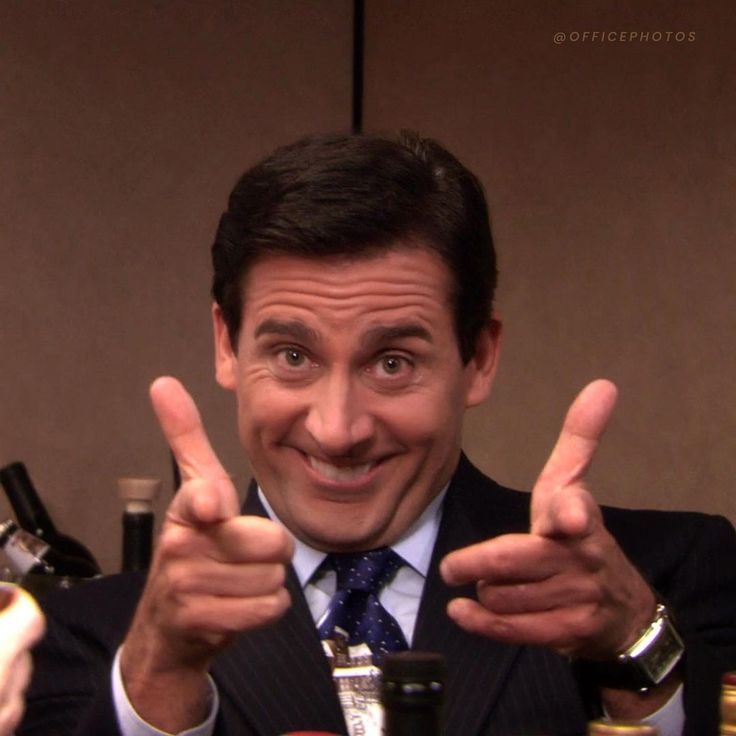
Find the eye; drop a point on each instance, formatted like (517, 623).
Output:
(293, 357)
(392, 364)
(291, 362)
(392, 370)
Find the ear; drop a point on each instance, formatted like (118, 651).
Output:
(226, 359)
(482, 366)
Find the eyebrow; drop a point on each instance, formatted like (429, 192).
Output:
(291, 328)
(297, 330)
(387, 333)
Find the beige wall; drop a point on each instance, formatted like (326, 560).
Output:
(123, 126)
(609, 169)
(611, 174)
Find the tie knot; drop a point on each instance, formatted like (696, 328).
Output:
(366, 571)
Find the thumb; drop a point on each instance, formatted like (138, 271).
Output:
(202, 501)
(207, 494)
(559, 501)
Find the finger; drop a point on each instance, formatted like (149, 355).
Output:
(581, 432)
(227, 580)
(220, 616)
(21, 623)
(202, 501)
(182, 426)
(241, 539)
(511, 558)
(561, 629)
(556, 592)
(15, 675)
(13, 703)
(196, 502)
(11, 712)
(568, 511)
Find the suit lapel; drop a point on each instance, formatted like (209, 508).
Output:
(476, 667)
(278, 678)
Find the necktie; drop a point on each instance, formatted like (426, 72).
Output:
(355, 607)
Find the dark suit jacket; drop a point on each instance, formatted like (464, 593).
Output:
(276, 679)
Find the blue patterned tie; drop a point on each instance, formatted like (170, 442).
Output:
(355, 607)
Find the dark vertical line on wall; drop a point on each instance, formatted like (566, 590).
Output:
(358, 37)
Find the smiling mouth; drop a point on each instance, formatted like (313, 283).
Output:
(340, 473)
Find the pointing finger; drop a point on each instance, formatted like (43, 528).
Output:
(202, 501)
(182, 426)
(581, 432)
(207, 494)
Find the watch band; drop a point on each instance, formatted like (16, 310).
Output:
(645, 663)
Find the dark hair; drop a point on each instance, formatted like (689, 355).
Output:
(355, 196)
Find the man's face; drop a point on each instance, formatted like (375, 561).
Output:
(351, 390)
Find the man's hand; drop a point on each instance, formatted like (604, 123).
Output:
(566, 584)
(214, 574)
(21, 625)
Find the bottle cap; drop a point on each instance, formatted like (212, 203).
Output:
(6, 529)
(620, 728)
(412, 680)
(413, 666)
(138, 493)
(728, 701)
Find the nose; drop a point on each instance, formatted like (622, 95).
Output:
(338, 419)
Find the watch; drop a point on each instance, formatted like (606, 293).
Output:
(645, 663)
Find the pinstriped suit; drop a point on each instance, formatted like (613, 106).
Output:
(276, 679)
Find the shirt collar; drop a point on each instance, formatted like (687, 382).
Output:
(414, 546)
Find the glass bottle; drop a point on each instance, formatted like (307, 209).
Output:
(30, 555)
(728, 704)
(33, 516)
(412, 691)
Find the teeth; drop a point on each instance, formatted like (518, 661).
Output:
(339, 473)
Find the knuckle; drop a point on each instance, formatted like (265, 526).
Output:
(277, 577)
(268, 540)
(178, 581)
(502, 628)
(275, 605)
(585, 624)
(174, 541)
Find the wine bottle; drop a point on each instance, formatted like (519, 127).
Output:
(728, 705)
(621, 728)
(138, 495)
(34, 518)
(412, 691)
(28, 554)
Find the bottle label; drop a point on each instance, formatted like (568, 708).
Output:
(358, 683)
(24, 551)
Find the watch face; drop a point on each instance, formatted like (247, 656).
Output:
(662, 654)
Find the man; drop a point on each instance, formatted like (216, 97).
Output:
(353, 288)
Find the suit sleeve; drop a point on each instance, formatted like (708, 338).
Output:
(690, 561)
(70, 692)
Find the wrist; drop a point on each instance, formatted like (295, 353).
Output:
(636, 705)
(645, 664)
(148, 686)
